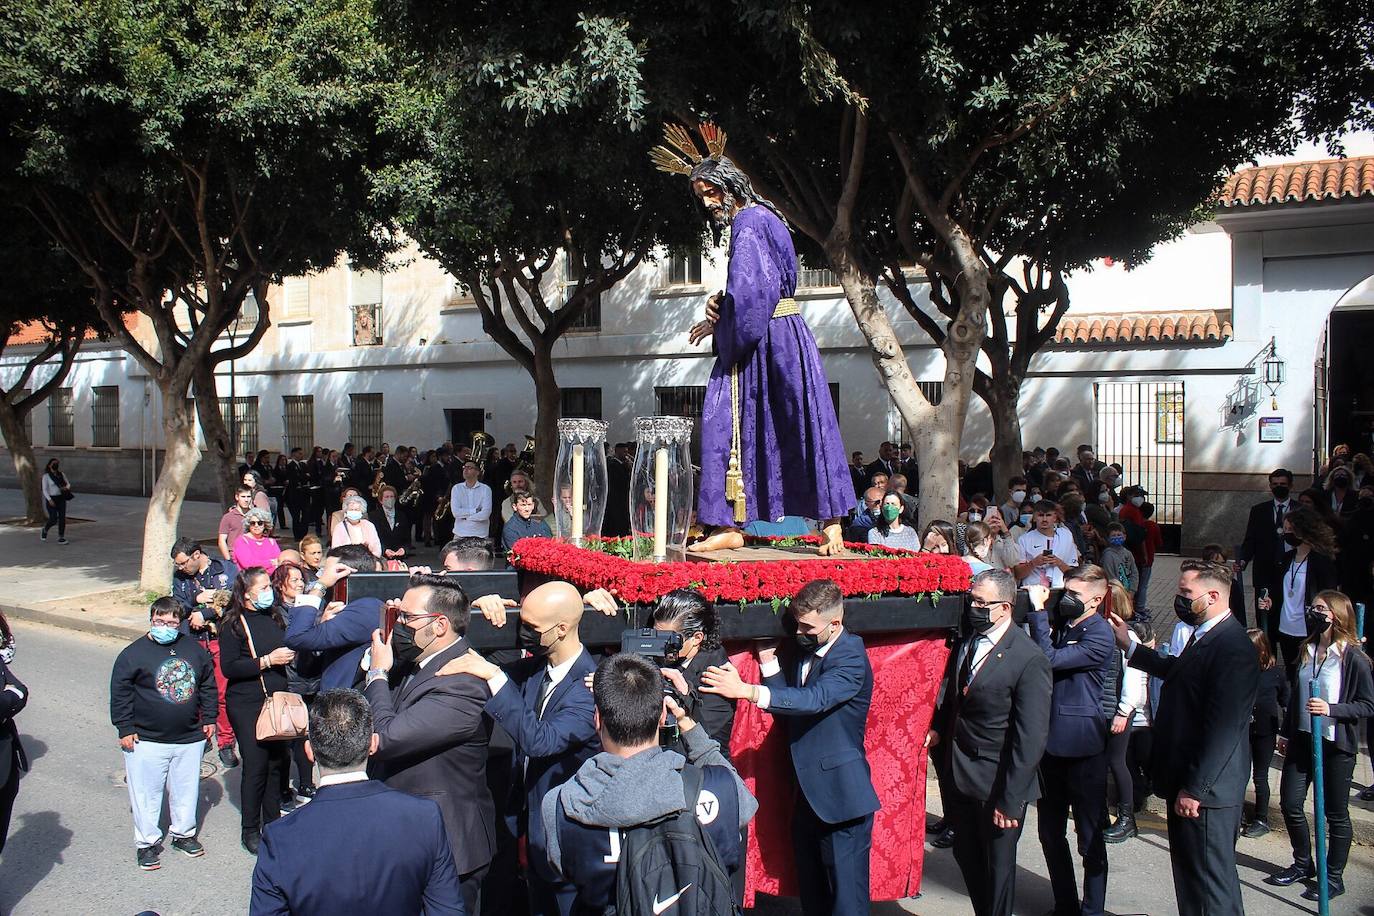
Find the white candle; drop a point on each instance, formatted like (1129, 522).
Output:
(661, 503)
(577, 486)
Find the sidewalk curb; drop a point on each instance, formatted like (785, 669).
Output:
(94, 626)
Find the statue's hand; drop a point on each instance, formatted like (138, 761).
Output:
(701, 331)
(713, 307)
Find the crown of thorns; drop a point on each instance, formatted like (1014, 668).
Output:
(681, 153)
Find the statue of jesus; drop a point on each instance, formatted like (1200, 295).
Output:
(770, 440)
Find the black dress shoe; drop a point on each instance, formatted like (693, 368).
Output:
(945, 840)
(937, 826)
(1291, 875)
(251, 839)
(1335, 886)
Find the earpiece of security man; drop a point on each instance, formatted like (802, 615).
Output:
(1200, 762)
(824, 691)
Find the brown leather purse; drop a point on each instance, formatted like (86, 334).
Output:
(283, 716)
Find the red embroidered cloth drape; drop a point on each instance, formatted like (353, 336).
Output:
(907, 668)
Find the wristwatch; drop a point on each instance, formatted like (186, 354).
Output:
(317, 584)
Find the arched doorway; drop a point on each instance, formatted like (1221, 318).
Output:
(1344, 381)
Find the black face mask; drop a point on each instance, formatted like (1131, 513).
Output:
(1291, 539)
(1340, 481)
(403, 647)
(529, 638)
(1317, 624)
(1280, 492)
(1183, 607)
(980, 618)
(808, 642)
(1071, 607)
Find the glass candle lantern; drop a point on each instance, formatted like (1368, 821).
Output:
(661, 487)
(579, 480)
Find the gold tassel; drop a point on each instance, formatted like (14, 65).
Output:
(734, 475)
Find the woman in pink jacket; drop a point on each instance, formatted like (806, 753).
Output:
(355, 528)
(256, 546)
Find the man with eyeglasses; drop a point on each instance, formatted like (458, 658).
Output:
(431, 735)
(988, 734)
(195, 580)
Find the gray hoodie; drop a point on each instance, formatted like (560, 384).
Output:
(611, 791)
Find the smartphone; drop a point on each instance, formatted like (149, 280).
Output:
(389, 614)
(1049, 552)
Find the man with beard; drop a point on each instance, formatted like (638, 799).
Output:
(431, 735)
(768, 401)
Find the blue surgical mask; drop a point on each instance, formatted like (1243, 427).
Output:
(265, 600)
(163, 635)
(353, 515)
(1117, 540)
(1025, 520)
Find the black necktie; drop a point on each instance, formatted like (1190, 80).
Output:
(966, 669)
(1278, 515)
(545, 688)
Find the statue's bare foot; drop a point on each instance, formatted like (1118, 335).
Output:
(834, 540)
(720, 539)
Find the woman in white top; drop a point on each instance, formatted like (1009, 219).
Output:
(1333, 681)
(1132, 711)
(56, 492)
(355, 528)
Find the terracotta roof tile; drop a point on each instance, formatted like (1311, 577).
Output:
(1300, 182)
(33, 332)
(1136, 328)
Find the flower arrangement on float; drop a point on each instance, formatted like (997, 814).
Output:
(874, 571)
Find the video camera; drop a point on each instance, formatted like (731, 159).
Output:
(663, 648)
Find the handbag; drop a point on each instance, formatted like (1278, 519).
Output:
(283, 716)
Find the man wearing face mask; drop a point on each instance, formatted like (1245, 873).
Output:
(163, 702)
(1073, 772)
(431, 735)
(987, 735)
(1017, 490)
(824, 693)
(870, 513)
(1262, 550)
(551, 719)
(1200, 759)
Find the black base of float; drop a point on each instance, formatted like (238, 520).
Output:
(756, 620)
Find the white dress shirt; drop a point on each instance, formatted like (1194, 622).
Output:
(1328, 678)
(336, 779)
(556, 674)
(1293, 616)
(471, 508)
(769, 669)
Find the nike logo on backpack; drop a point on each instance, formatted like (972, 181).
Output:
(660, 907)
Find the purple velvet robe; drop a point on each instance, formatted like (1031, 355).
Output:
(791, 453)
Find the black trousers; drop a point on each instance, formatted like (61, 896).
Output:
(1338, 768)
(1078, 784)
(832, 862)
(57, 515)
(8, 792)
(1118, 747)
(1138, 761)
(986, 854)
(299, 504)
(470, 886)
(1290, 648)
(1261, 755)
(1202, 851)
(263, 765)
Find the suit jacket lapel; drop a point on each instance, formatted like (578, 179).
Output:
(560, 688)
(991, 660)
(432, 669)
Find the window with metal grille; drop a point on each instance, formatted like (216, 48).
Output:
(365, 420)
(241, 421)
(684, 401)
(1140, 427)
(590, 319)
(810, 276)
(934, 392)
(582, 402)
(61, 417)
(105, 416)
(683, 267)
(248, 314)
(298, 420)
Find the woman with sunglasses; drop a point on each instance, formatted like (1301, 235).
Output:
(1333, 681)
(256, 546)
(254, 672)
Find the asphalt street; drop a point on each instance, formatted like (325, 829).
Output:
(71, 847)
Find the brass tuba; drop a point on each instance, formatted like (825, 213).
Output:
(481, 442)
(524, 463)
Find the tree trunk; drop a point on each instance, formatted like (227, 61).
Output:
(219, 446)
(169, 491)
(548, 407)
(17, 440)
(1003, 398)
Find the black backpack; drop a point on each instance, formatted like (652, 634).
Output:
(670, 867)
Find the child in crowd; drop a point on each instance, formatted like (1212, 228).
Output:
(1117, 559)
(1265, 722)
(1154, 540)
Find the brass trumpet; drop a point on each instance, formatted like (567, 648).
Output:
(411, 497)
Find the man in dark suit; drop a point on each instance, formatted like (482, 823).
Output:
(1200, 761)
(618, 471)
(394, 470)
(358, 847)
(542, 704)
(989, 732)
(824, 695)
(907, 466)
(1073, 771)
(886, 463)
(14, 696)
(361, 474)
(858, 474)
(431, 734)
(1262, 549)
(341, 640)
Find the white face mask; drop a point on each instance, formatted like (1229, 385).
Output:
(1137, 501)
(1018, 497)
(975, 516)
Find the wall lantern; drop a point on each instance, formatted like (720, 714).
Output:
(1274, 372)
